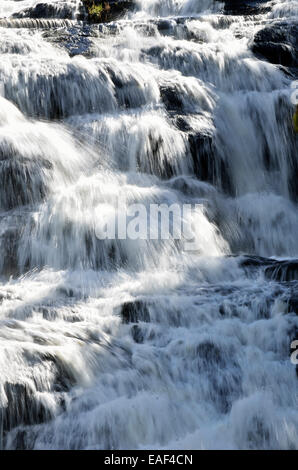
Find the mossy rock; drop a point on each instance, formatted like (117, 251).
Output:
(99, 11)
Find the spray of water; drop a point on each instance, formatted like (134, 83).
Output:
(138, 343)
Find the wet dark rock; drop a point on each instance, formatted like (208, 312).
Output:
(133, 312)
(11, 226)
(211, 353)
(166, 27)
(155, 144)
(9, 241)
(171, 98)
(245, 7)
(64, 378)
(274, 52)
(47, 10)
(154, 51)
(20, 440)
(77, 40)
(223, 372)
(228, 310)
(22, 181)
(32, 23)
(48, 313)
(256, 261)
(182, 123)
(257, 430)
(164, 24)
(293, 304)
(207, 165)
(137, 334)
(124, 86)
(293, 178)
(278, 43)
(201, 147)
(22, 407)
(99, 11)
(53, 96)
(283, 271)
(284, 111)
(66, 291)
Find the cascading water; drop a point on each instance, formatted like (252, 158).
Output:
(133, 344)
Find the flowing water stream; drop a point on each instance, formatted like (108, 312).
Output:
(135, 344)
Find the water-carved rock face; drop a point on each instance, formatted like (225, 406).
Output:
(278, 43)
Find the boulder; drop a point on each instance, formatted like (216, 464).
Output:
(278, 43)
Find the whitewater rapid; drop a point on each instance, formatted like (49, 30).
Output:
(135, 344)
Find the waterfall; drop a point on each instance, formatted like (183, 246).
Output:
(140, 343)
